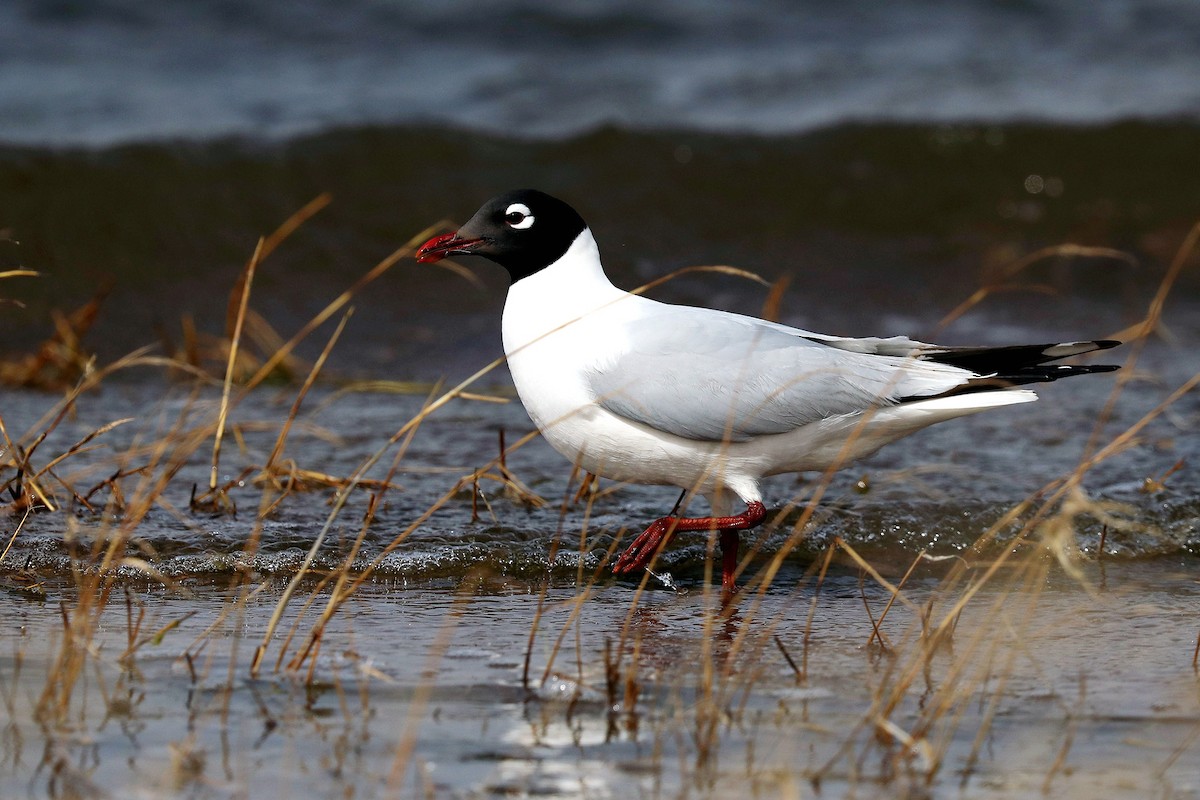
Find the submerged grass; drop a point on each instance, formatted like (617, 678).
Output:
(934, 685)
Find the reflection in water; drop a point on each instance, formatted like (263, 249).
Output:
(1036, 669)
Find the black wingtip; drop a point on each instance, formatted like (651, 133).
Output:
(1017, 358)
(1003, 367)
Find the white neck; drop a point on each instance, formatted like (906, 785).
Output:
(557, 295)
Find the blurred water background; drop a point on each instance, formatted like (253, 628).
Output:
(116, 71)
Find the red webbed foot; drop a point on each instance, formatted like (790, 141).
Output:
(641, 550)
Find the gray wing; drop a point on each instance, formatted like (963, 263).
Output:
(711, 376)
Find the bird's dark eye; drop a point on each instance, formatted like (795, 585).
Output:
(518, 217)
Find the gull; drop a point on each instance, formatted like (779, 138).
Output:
(712, 402)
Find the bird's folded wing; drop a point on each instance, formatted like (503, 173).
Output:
(711, 376)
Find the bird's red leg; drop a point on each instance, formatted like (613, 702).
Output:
(729, 561)
(641, 551)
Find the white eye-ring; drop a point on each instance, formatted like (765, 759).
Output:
(518, 216)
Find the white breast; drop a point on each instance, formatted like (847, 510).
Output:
(559, 323)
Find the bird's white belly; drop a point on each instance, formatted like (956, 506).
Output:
(553, 391)
(613, 447)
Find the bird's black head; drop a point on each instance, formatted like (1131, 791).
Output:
(523, 231)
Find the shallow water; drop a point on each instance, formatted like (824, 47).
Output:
(1072, 692)
(939, 490)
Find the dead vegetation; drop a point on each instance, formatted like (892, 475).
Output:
(940, 682)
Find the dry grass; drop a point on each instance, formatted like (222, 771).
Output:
(937, 680)
(137, 481)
